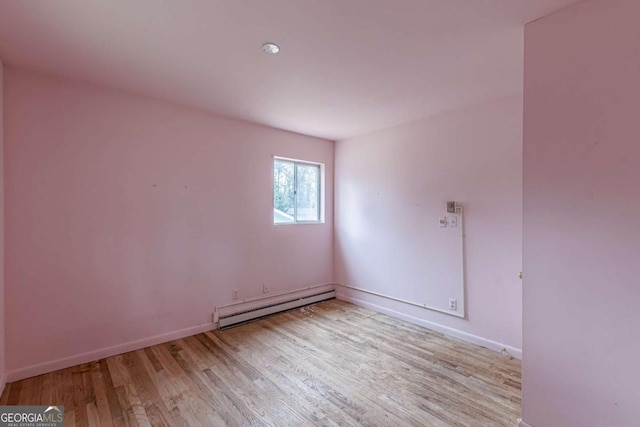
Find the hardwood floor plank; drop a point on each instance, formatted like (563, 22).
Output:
(31, 391)
(47, 395)
(312, 371)
(101, 399)
(340, 390)
(299, 395)
(4, 399)
(93, 417)
(224, 408)
(178, 390)
(157, 366)
(115, 410)
(64, 390)
(128, 414)
(80, 404)
(259, 393)
(147, 391)
(330, 364)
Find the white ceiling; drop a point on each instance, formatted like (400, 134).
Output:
(346, 67)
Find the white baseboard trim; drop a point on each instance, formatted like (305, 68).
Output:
(523, 424)
(66, 362)
(446, 330)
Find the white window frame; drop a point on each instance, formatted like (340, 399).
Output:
(321, 192)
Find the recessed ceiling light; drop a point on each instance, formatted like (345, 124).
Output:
(271, 48)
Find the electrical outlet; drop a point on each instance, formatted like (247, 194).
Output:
(442, 221)
(265, 288)
(451, 207)
(453, 221)
(234, 294)
(453, 304)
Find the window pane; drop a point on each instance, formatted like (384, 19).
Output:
(308, 208)
(283, 192)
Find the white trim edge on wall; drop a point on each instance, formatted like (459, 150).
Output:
(67, 362)
(455, 333)
(523, 424)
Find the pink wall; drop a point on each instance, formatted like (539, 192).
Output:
(582, 217)
(391, 187)
(2, 367)
(129, 218)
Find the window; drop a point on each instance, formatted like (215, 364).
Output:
(297, 187)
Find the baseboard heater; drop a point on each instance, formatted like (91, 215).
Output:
(236, 319)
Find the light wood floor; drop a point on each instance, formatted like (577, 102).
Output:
(332, 364)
